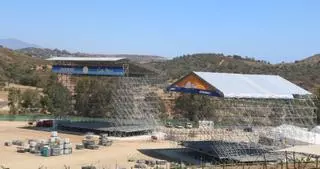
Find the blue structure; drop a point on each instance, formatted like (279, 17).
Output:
(194, 91)
(89, 70)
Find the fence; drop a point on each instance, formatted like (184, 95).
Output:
(29, 117)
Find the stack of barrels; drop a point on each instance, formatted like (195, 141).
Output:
(67, 146)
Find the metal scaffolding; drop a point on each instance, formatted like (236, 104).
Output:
(241, 126)
(136, 102)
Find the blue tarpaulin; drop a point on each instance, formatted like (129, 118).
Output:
(89, 70)
(194, 91)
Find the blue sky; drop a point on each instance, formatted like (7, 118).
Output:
(273, 30)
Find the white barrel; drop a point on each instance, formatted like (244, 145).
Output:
(67, 151)
(66, 140)
(52, 139)
(68, 145)
(33, 143)
(32, 149)
(26, 145)
(89, 137)
(54, 134)
(42, 141)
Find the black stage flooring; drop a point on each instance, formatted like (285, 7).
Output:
(237, 151)
(105, 128)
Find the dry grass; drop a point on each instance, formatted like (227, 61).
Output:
(21, 87)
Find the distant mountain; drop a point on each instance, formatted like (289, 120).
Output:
(315, 59)
(46, 53)
(132, 57)
(16, 44)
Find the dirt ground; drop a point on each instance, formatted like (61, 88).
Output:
(3, 96)
(106, 157)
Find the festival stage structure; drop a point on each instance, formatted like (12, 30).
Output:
(254, 115)
(134, 99)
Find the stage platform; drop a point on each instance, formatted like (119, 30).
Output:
(105, 128)
(235, 151)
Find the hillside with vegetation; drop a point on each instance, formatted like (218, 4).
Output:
(26, 69)
(315, 59)
(305, 73)
(19, 68)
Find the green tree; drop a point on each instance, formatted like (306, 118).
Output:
(14, 99)
(30, 80)
(195, 107)
(57, 98)
(82, 91)
(30, 100)
(46, 103)
(93, 97)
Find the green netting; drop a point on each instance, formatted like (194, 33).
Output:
(28, 117)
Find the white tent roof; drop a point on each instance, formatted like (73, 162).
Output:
(252, 85)
(91, 59)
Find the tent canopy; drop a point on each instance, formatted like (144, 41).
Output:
(231, 85)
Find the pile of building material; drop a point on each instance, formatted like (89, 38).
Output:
(34, 147)
(149, 163)
(67, 146)
(104, 141)
(88, 167)
(90, 141)
(17, 142)
(54, 146)
(79, 146)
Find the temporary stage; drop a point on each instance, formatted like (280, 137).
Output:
(231, 151)
(132, 96)
(105, 127)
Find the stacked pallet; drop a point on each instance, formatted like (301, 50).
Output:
(67, 146)
(17, 142)
(90, 142)
(79, 146)
(33, 148)
(54, 146)
(104, 141)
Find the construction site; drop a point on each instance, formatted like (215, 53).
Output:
(259, 121)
